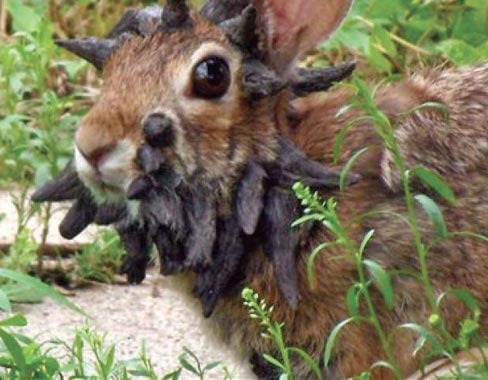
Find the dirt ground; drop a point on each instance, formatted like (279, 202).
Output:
(152, 312)
(133, 314)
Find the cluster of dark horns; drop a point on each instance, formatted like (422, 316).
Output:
(237, 19)
(179, 216)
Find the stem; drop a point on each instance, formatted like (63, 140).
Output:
(397, 39)
(45, 232)
(373, 316)
(358, 259)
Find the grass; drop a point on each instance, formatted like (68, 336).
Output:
(44, 92)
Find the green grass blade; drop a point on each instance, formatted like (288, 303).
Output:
(39, 287)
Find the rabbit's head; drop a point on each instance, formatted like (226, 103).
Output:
(209, 97)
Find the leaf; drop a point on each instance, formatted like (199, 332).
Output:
(423, 333)
(469, 300)
(329, 346)
(39, 287)
(352, 300)
(15, 351)
(347, 168)
(5, 302)
(175, 375)
(382, 280)
(458, 51)
(377, 60)
(274, 362)
(307, 218)
(109, 359)
(430, 106)
(17, 320)
(435, 182)
(367, 238)
(186, 365)
(25, 18)
(382, 36)
(211, 366)
(309, 360)
(313, 256)
(339, 139)
(434, 213)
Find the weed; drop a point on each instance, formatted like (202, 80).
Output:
(101, 259)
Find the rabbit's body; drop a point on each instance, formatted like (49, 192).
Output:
(200, 88)
(459, 263)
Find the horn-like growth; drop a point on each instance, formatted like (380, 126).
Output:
(142, 22)
(320, 79)
(110, 213)
(94, 50)
(170, 251)
(259, 81)
(137, 245)
(139, 188)
(218, 11)
(201, 210)
(81, 214)
(176, 15)
(249, 197)
(65, 187)
(241, 30)
(292, 166)
(228, 255)
(279, 241)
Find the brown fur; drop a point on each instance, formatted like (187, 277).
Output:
(459, 263)
(216, 138)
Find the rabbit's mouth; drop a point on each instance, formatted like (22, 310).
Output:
(110, 177)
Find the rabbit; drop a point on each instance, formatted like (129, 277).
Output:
(193, 105)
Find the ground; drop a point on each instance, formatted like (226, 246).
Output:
(152, 312)
(131, 315)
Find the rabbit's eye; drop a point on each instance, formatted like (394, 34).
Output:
(211, 78)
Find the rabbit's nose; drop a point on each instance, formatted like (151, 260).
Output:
(158, 130)
(97, 156)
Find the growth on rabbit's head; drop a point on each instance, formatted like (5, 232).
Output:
(208, 96)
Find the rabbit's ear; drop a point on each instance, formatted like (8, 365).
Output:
(291, 27)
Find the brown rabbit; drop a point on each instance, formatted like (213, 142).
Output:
(197, 84)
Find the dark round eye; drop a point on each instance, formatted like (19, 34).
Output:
(211, 78)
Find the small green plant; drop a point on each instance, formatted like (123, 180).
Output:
(259, 310)
(21, 358)
(88, 357)
(190, 363)
(434, 340)
(398, 34)
(21, 254)
(100, 260)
